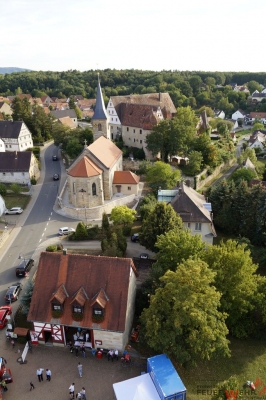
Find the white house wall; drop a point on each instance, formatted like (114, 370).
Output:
(2, 146)
(22, 178)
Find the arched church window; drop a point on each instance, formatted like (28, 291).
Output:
(94, 189)
(99, 127)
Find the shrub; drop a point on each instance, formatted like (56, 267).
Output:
(77, 316)
(2, 189)
(126, 230)
(15, 188)
(202, 177)
(33, 181)
(59, 246)
(93, 232)
(57, 313)
(52, 248)
(81, 232)
(97, 318)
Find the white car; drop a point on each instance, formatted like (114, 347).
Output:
(14, 210)
(65, 231)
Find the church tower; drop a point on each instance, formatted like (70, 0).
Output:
(100, 119)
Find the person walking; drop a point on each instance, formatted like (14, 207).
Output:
(31, 386)
(110, 355)
(80, 369)
(116, 355)
(72, 390)
(77, 351)
(83, 394)
(39, 374)
(83, 351)
(48, 374)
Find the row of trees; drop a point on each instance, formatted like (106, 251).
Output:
(186, 88)
(197, 295)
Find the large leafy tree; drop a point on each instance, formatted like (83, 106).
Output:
(235, 279)
(245, 174)
(158, 140)
(122, 215)
(183, 318)
(160, 220)
(174, 247)
(161, 175)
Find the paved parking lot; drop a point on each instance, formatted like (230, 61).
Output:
(98, 374)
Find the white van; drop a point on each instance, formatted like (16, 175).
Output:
(65, 231)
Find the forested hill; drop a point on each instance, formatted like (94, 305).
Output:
(10, 70)
(194, 88)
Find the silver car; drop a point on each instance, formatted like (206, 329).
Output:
(14, 210)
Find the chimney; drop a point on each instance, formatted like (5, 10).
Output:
(64, 251)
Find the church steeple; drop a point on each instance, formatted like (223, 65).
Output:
(100, 119)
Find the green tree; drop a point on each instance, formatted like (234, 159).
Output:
(160, 220)
(195, 82)
(247, 153)
(73, 147)
(122, 215)
(175, 246)
(183, 318)
(105, 224)
(81, 232)
(209, 111)
(236, 281)
(258, 126)
(183, 130)
(3, 189)
(15, 188)
(161, 175)
(146, 205)
(245, 174)
(195, 162)
(158, 140)
(253, 85)
(26, 297)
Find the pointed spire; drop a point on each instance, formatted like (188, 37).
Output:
(100, 111)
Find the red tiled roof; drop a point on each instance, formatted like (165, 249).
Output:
(84, 168)
(93, 273)
(67, 121)
(256, 114)
(105, 151)
(139, 116)
(126, 177)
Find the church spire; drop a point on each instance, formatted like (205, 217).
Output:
(100, 111)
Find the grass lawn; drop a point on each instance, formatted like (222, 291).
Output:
(16, 200)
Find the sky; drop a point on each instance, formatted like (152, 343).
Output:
(193, 35)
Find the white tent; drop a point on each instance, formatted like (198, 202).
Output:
(139, 388)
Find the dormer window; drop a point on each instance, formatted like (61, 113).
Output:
(98, 311)
(57, 307)
(77, 309)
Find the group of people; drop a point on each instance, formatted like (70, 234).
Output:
(112, 354)
(39, 373)
(79, 395)
(77, 349)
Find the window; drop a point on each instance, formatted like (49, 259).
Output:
(198, 226)
(133, 130)
(112, 119)
(94, 189)
(134, 139)
(116, 119)
(97, 311)
(99, 127)
(188, 224)
(112, 127)
(140, 131)
(57, 307)
(140, 141)
(127, 129)
(23, 173)
(129, 188)
(77, 309)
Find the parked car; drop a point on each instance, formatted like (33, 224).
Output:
(24, 267)
(12, 292)
(4, 311)
(56, 177)
(65, 231)
(144, 256)
(55, 158)
(135, 237)
(14, 210)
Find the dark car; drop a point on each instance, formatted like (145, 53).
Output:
(12, 292)
(135, 237)
(55, 158)
(24, 267)
(56, 177)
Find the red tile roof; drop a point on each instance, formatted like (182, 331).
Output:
(126, 177)
(84, 168)
(256, 114)
(139, 116)
(105, 151)
(93, 273)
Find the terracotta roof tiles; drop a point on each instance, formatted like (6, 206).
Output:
(126, 177)
(105, 151)
(84, 168)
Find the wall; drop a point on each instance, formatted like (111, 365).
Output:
(17, 177)
(110, 340)
(201, 183)
(130, 306)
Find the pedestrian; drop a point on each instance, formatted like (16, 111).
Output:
(110, 355)
(48, 374)
(31, 386)
(78, 395)
(83, 393)
(13, 343)
(39, 374)
(80, 369)
(72, 390)
(116, 355)
(71, 348)
(83, 351)
(77, 351)
(87, 337)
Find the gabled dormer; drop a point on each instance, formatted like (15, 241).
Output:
(98, 304)
(57, 301)
(77, 303)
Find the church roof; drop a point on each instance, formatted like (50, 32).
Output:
(105, 151)
(84, 168)
(127, 177)
(99, 111)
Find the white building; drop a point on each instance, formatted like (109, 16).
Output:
(15, 135)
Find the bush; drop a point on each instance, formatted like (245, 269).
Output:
(97, 318)
(202, 177)
(15, 188)
(52, 248)
(93, 232)
(126, 230)
(2, 189)
(81, 232)
(33, 181)
(77, 316)
(57, 313)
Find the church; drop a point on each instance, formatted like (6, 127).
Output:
(96, 181)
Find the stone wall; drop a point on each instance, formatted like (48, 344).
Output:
(201, 183)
